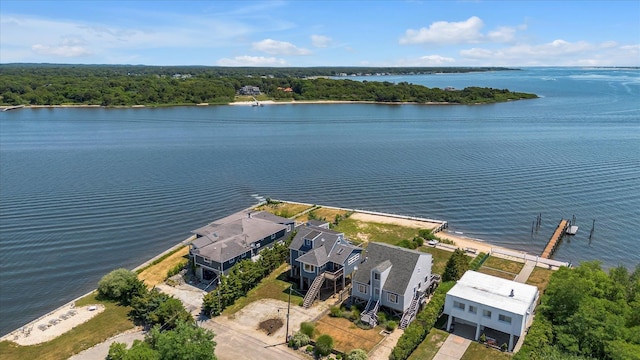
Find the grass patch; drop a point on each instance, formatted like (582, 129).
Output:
(504, 264)
(161, 258)
(360, 231)
(540, 277)
(271, 287)
(428, 349)
(284, 209)
(113, 320)
(324, 213)
(497, 273)
(346, 335)
(156, 273)
(440, 258)
(477, 351)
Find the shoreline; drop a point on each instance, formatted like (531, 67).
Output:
(462, 242)
(5, 108)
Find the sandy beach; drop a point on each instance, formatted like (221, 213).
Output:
(53, 324)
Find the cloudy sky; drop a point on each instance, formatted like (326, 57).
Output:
(322, 33)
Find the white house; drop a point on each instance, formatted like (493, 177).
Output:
(486, 301)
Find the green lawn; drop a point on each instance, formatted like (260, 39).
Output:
(270, 287)
(503, 264)
(497, 273)
(283, 209)
(440, 258)
(428, 349)
(540, 277)
(113, 320)
(360, 231)
(477, 351)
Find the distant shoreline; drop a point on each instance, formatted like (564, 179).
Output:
(4, 108)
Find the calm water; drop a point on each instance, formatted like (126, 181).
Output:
(84, 191)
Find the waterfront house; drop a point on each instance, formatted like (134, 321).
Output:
(221, 244)
(317, 254)
(491, 305)
(249, 90)
(394, 279)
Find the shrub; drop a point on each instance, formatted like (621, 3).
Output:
(335, 312)
(391, 325)
(407, 244)
(483, 338)
(307, 328)
(418, 241)
(309, 349)
(301, 302)
(120, 285)
(176, 269)
(299, 340)
(503, 347)
(324, 345)
(356, 354)
(355, 314)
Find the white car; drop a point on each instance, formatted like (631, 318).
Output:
(433, 242)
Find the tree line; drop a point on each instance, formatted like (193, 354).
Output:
(126, 86)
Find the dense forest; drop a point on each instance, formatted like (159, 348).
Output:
(587, 313)
(145, 85)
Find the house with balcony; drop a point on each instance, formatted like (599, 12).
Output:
(491, 305)
(394, 279)
(321, 258)
(221, 244)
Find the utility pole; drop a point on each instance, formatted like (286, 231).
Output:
(286, 334)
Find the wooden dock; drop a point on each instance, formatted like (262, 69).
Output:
(555, 239)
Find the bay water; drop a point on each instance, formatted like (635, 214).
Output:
(85, 191)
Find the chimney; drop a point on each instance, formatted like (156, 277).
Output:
(511, 295)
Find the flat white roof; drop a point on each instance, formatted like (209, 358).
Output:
(495, 292)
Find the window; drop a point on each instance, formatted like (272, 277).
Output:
(458, 305)
(307, 242)
(232, 260)
(309, 268)
(288, 227)
(393, 298)
(486, 313)
(504, 318)
(376, 276)
(473, 309)
(273, 236)
(362, 288)
(353, 258)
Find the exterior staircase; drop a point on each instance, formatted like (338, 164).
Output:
(370, 313)
(314, 289)
(411, 312)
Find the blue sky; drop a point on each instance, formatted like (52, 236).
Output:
(322, 33)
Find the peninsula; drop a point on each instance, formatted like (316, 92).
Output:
(122, 86)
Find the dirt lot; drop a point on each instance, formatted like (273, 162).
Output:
(347, 335)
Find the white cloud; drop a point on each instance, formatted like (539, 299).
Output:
(461, 32)
(320, 41)
(274, 47)
(427, 60)
(557, 53)
(251, 61)
(444, 32)
(61, 50)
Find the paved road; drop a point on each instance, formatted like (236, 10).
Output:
(453, 348)
(232, 344)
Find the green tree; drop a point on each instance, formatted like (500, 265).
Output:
(456, 266)
(121, 285)
(186, 341)
(324, 345)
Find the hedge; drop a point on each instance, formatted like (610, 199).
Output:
(417, 331)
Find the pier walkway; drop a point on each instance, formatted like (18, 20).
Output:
(555, 239)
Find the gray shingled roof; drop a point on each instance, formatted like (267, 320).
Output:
(232, 236)
(325, 246)
(403, 262)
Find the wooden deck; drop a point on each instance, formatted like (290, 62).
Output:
(555, 239)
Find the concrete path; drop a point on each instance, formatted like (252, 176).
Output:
(453, 348)
(383, 350)
(527, 269)
(101, 350)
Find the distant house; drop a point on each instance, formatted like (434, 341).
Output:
(221, 244)
(317, 254)
(393, 278)
(490, 303)
(249, 90)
